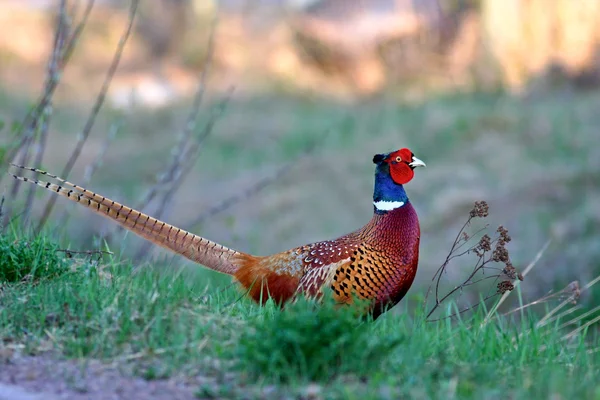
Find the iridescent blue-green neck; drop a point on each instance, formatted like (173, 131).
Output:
(387, 194)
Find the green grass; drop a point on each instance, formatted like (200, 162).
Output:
(161, 324)
(27, 258)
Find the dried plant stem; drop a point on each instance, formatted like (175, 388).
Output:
(2, 213)
(186, 149)
(466, 282)
(77, 31)
(91, 168)
(188, 159)
(579, 318)
(39, 114)
(98, 253)
(516, 282)
(185, 137)
(487, 251)
(581, 328)
(62, 27)
(438, 274)
(256, 187)
(95, 110)
(547, 318)
(536, 302)
(32, 118)
(246, 194)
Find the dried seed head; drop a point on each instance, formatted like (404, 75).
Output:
(573, 287)
(520, 276)
(504, 236)
(465, 236)
(500, 253)
(510, 271)
(485, 243)
(505, 286)
(480, 209)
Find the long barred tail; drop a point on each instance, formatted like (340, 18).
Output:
(194, 247)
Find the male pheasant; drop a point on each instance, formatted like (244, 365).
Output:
(377, 262)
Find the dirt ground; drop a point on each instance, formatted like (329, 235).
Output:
(46, 377)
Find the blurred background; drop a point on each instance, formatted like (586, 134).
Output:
(500, 98)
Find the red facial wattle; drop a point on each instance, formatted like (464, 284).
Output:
(401, 173)
(400, 170)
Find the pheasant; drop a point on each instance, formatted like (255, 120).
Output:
(376, 263)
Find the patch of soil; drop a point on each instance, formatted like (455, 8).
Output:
(52, 378)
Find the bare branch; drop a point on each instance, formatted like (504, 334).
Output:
(77, 31)
(95, 110)
(516, 282)
(442, 268)
(254, 189)
(2, 213)
(37, 114)
(468, 308)
(62, 27)
(32, 118)
(246, 194)
(547, 317)
(188, 160)
(99, 253)
(183, 143)
(91, 168)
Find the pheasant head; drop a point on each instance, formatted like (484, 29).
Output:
(392, 171)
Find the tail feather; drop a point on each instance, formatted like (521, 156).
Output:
(193, 247)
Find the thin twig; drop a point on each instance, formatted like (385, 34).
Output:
(254, 189)
(487, 250)
(95, 110)
(89, 253)
(581, 328)
(174, 169)
(442, 268)
(516, 282)
(245, 195)
(546, 318)
(35, 115)
(563, 314)
(257, 187)
(91, 168)
(578, 318)
(541, 300)
(185, 136)
(32, 118)
(2, 213)
(167, 181)
(189, 158)
(468, 308)
(77, 32)
(52, 76)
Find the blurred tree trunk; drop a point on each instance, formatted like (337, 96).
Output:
(525, 37)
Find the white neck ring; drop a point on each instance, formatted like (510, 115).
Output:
(387, 205)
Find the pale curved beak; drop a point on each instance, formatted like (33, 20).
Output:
(416, 163)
